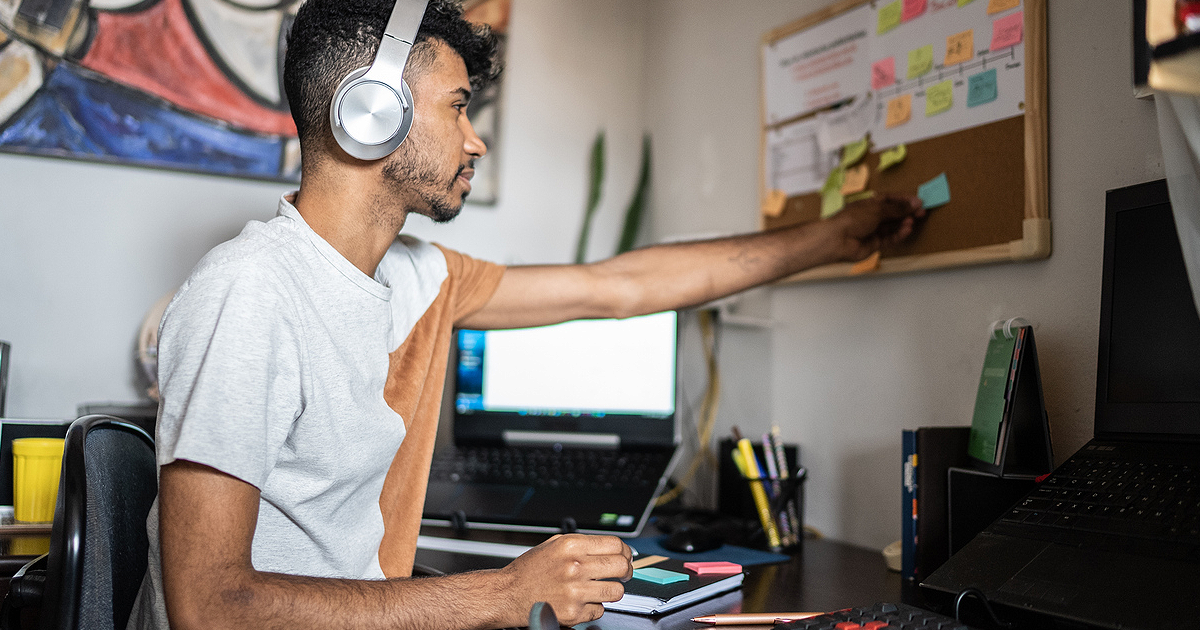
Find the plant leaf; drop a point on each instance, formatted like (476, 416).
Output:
(637, 205)
(593, 201)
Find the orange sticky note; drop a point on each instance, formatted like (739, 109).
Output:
(866, 265)
(883, 73)
(996, 6)
(855, 179)
(912, 9)
(960, 47)
(1008, 30)
(899, 110)
(772, 205)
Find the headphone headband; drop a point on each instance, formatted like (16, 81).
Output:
(372, 110)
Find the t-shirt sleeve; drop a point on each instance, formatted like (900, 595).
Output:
(474, 281)
(229, 374)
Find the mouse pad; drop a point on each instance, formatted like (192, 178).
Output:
(729, 553)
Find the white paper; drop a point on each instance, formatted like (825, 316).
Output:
(793, 160)
(844, 125)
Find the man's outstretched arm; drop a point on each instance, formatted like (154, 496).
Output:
(206, 525)
(687, 274)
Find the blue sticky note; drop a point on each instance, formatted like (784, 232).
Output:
(659, 576)
(981, 88)
(935, 192)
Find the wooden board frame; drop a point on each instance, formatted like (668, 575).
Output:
(1031, 239)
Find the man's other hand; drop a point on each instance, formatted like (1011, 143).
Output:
(572, 573)
(869, 224)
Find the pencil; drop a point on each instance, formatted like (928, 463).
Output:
(749, 619)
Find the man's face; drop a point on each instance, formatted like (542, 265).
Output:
(437, 159)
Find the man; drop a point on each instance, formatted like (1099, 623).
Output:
(301, 364)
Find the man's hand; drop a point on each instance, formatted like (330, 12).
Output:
(572, 573)
(869, 224)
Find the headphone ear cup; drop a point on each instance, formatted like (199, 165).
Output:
(370, 118)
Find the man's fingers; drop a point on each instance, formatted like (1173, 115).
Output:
(607, 567)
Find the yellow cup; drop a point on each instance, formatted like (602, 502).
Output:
(36, 465)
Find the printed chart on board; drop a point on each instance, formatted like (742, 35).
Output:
(905, 71)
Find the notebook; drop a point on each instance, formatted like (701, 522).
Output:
(1112, 537)
(653, 595)
(571, 427)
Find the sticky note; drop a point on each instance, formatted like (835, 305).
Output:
(981, 88)
(832, 203)
(883, 73)
(646, 561)
(920, 61)
(960, 47)
(1008, 30)
(713, 568)
(853, 152)
(855, 179)
(772, 205)
(892, 157)
(659, 576)
(912, 9)
(997, 6)
(963, 3)
(859, 196)
(935, 192)
(939, 97)
(866, 265)
(889, 17)
(899, 110)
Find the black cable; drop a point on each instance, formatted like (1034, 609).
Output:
(971, 590)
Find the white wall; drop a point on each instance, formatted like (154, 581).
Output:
(853, 362)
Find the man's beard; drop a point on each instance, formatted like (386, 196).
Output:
(423, 178)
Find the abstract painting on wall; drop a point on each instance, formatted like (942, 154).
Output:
(191, 85)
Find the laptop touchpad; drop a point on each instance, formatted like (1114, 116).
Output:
(477, 502)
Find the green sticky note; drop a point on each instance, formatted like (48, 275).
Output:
(963, 3)
(832, 202)
(935, 192)
(853, 152)
(981, 88)
(989, 398)
(939, 97)
(892, 157)
(920, 61)
(835, 180)
(659, 576)
(889, 17)
(859, 196)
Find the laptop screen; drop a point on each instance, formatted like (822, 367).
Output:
(1149, 361)
(602, 376)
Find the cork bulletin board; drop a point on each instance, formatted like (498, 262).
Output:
(959, 84)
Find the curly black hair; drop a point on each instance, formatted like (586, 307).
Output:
(329, 38)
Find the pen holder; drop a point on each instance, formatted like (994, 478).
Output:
(785, 503)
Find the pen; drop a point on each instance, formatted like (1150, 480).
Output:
(749, 619)
(752, 472)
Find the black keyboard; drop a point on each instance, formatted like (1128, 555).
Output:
(1155, 501)
(894, 616)
(567, 468)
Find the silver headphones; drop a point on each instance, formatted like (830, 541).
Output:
(372, 110)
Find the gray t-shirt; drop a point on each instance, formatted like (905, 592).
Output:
(272, 362)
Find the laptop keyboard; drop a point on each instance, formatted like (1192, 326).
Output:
(879, 616)
(551, 468)
(1156, 501)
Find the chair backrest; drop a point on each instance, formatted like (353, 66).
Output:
(98, 545)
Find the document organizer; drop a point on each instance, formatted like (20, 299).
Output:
(1010, 433)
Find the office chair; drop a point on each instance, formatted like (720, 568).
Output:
(98, 544)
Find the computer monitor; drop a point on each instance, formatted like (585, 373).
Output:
(604, 376)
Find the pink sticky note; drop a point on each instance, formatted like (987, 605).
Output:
(883, 73)
(912, 9)
(1008, 30)
(713, 568)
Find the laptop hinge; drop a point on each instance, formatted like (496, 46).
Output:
(550, 438)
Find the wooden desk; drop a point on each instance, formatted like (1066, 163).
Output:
(825, 575)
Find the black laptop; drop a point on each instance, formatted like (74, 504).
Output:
(1112, 538)
(571, 427)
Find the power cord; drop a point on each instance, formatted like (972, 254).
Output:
(708, 408)
(987, 606)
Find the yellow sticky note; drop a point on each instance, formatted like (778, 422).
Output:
(899, 110)
(772, 205)
(920, 61)
(960, 47)
(939, 97)
(832, 203)
(963, 3)
(859, 196)
(853, 152)
(855, 179)
(996, 6)
(889, 17)
(892, 157)
(866, 265)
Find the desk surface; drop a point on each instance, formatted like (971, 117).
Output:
(824, 575)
